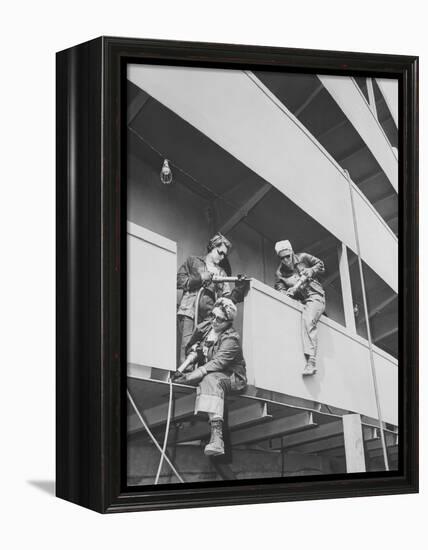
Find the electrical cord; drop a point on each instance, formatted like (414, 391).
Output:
(165, 440)
(152, 437)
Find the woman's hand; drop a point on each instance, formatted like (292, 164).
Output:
(191, 377)
(206, 277)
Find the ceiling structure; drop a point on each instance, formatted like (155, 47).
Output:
(237, 193)
(306, 97)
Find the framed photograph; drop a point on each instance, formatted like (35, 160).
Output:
(237, 276)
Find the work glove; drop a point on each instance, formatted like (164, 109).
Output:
(291, 292)
(193, 377)
(243, 284)
(206, 277)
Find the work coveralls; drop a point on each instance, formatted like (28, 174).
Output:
(190, 282)
(224, 369)
(311, 295)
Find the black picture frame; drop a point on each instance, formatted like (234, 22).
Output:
(90, 209)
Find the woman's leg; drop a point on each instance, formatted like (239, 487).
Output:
(210, 399)
(313, 309)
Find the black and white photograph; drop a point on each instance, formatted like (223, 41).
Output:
(214, 276)
(262, 239)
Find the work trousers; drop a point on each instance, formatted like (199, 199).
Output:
(312, 310)
(211, 392)
(185, 326)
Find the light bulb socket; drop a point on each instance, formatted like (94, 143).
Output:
(166, 174)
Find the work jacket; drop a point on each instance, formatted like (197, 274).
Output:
(286, 278)
(189, 280)
(224, 355)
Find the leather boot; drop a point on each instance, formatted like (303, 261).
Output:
(216, 446)
(310, 367)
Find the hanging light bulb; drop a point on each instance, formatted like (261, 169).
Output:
(166, 174)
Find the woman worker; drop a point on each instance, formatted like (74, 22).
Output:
(222, 369)
(196, 278)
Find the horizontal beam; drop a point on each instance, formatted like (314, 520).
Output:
(320, 245)
(379, 452)
(332, 129)
(309, 100)
(391, 440)
(352, 154)
(369, 434)
(377, 309)
(318, 433)
(238, 418)
(321, 445)
(370, 177)
(384, 199)
(391, 217)
(276, 428)
(328, 280)
(325, 444)
(385, 334)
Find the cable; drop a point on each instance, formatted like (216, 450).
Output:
(165, 440)
(198, 298)
(369, 335)
(152, 437)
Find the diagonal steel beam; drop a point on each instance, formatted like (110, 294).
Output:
(245, 209)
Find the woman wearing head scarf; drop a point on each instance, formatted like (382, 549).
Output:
(195, 278)
(221, 370)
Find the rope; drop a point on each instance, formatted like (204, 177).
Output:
(165, 440)
(369, 335)
(152, 437)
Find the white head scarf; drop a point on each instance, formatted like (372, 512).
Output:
(283, 245)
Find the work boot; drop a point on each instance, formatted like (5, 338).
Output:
(310, 367)
(216, 446)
